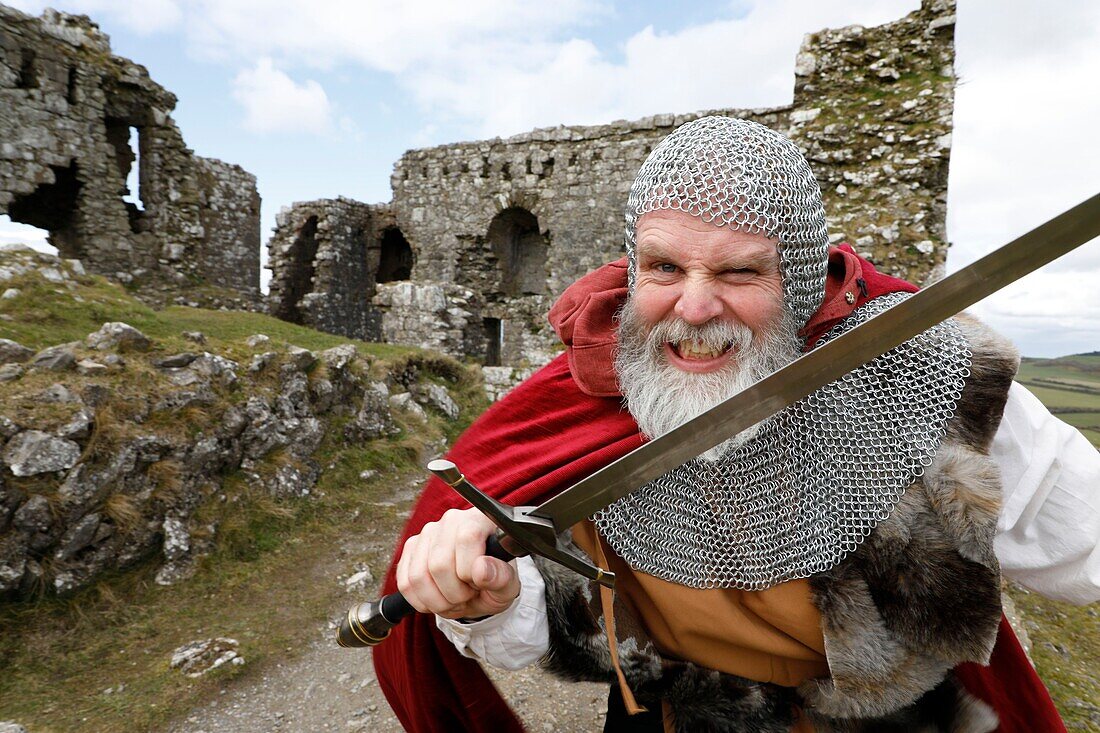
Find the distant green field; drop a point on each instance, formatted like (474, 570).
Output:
(1055, 399)
(1069, 383)
(1081, 419)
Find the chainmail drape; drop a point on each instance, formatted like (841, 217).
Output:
(811, 485)
(740, 174)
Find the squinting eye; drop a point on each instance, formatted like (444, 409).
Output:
(666, 267)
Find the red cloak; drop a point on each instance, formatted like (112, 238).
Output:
(561, 425)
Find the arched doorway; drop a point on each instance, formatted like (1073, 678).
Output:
(520, 251)
(396, 260)
(53, 207)
(299, 280)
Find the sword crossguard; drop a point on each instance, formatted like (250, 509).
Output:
(520, 532)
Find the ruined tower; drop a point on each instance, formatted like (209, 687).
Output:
(69, 110)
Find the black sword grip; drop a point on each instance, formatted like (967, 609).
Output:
(368, 624)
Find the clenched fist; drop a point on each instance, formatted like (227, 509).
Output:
(444, 570)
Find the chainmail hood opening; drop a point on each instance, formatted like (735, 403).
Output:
(738, 173)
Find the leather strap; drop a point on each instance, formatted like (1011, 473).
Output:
(607, 601)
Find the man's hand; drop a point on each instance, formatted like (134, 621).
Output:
(444, 570)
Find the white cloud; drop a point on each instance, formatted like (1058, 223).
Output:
(743, 62)
(378, 34)
(1024, 151)
(273, 102)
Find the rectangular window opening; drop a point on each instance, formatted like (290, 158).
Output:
(494, 340)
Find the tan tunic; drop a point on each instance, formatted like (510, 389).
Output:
(772, 635)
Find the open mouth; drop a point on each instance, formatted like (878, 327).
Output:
(695, 350)
(692, 355)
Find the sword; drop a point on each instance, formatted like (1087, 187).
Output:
(536, 530)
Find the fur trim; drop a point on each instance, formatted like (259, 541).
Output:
(994, 362)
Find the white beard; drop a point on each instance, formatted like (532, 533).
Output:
(662, 397)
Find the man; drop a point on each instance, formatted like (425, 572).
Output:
(829, 569)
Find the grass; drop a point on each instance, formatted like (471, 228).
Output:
(97, 661)
(268, 584)
(1070, 388)
(1065, 647)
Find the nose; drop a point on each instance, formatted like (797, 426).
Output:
(698, 302)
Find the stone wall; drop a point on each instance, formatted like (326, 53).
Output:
(326, 258)
(69, 110)
(498, 228)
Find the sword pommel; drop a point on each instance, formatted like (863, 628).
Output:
(445, 470)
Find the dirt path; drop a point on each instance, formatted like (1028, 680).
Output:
(327, 688)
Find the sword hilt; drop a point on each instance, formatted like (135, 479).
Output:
(368, 624)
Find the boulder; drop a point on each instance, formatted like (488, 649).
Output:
(406, 403)
(218, 368)
(79, 426)
(9, 372)
(118, 336)
(57, 393)
(32, 452)
(8, 427)
(339, 357)
(257, 340)
(87, 367)
(195, 337)
(300, 359)
(34, 517)
(176, 360)
(78, 537)
(373, 419)
(13, 352)
(260, 361)
(60, 358)
(438, 397)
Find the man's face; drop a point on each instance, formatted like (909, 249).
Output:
(706, 320)
(698, 272)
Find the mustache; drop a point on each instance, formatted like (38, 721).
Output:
(715, 334)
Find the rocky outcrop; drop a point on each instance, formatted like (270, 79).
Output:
(96, 474)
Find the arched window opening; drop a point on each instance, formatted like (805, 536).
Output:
(299, 281)
(52, 206)
(521, 252)
(396, 259)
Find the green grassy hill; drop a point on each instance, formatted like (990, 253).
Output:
(1070, 388)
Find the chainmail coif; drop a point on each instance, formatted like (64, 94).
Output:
(740, 174)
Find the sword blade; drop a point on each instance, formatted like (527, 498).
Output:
(826, 364)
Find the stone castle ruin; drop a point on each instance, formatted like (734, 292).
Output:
(481, 236)
(69, 109)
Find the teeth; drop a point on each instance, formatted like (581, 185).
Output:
(693, 349)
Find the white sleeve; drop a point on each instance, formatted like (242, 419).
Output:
(514, 638)
(1048, 535)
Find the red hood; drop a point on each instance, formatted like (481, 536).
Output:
(584, 316)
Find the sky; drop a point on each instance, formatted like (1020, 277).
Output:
(320, 99)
